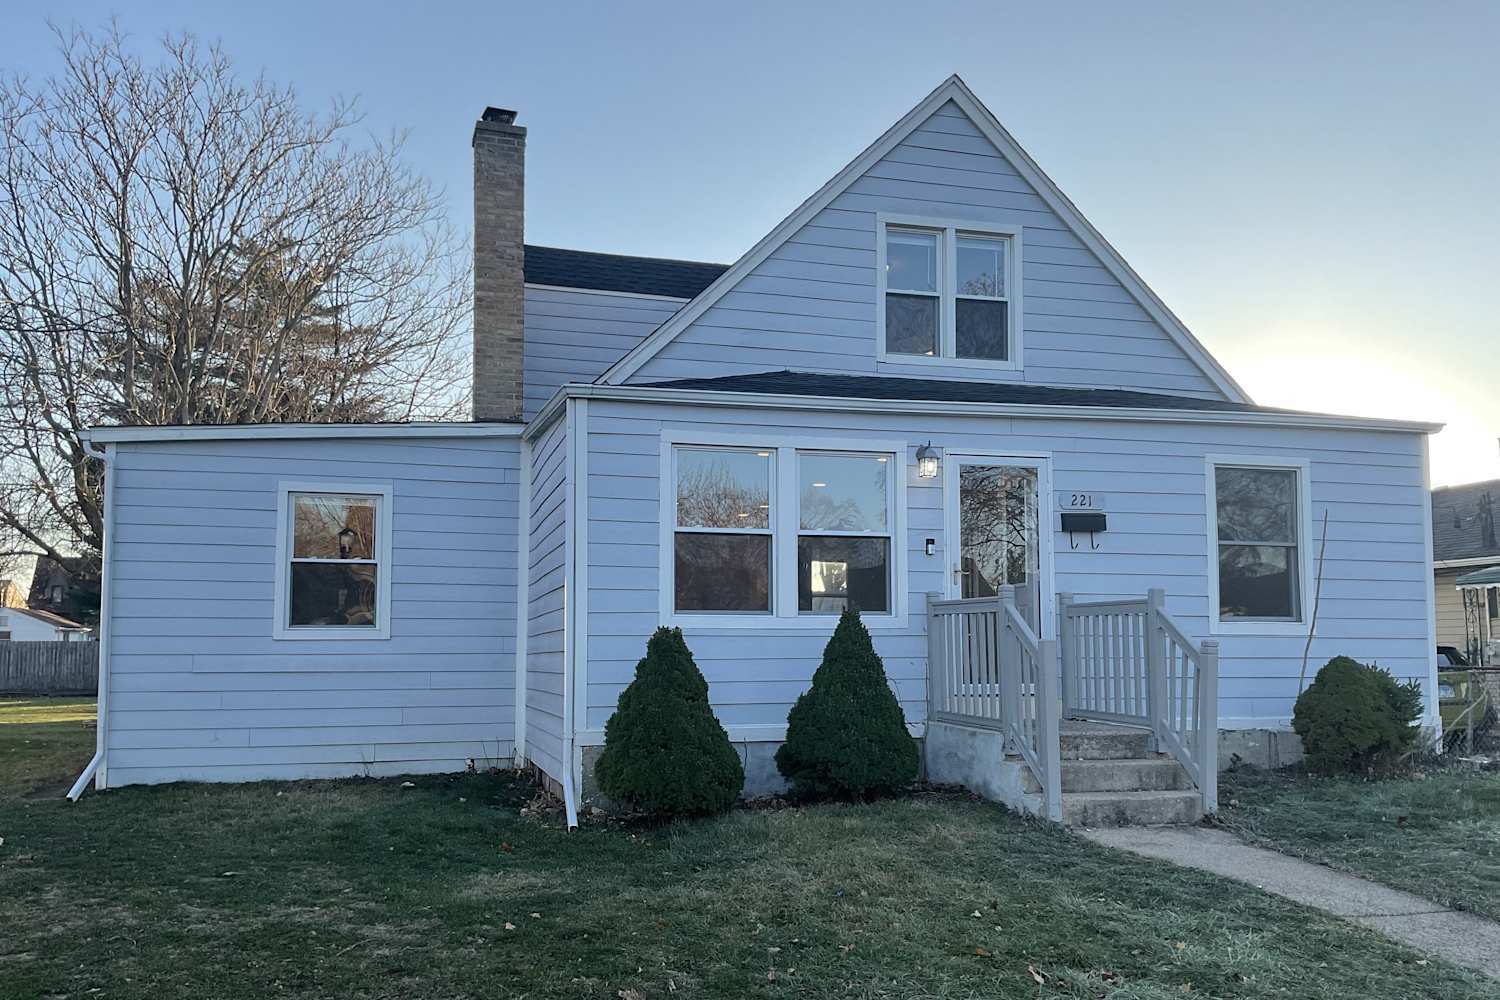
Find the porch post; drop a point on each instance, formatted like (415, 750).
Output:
(1067, 660)
(1047, 717)
(937, 669)
(1208, 725)
(1156, 666)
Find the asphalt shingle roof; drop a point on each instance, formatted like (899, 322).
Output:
(610, 272)
(945, 390)
(1463, 521)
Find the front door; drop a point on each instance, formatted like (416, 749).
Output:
(996, 512)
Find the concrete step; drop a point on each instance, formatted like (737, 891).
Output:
(1104, 743)
(1147, 774)
(1159, 808)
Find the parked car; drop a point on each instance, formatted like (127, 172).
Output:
(1449, 656)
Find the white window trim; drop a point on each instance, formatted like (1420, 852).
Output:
(785, 530)
(383, 517)
(948, 231)
(1233, 626)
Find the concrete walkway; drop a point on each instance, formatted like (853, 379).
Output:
(1462, 938)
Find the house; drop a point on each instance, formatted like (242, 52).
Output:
(31, 625)
(933, 391)
(66, 587)
(1463, 543)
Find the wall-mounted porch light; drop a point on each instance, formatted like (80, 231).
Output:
(927, 461)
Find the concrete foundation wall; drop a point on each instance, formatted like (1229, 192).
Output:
(1263, 748)
(975, 759)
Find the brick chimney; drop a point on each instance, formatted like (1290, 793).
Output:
(499, 235)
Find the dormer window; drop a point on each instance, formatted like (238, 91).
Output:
(949, 291)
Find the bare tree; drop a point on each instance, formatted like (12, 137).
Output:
(180, 245)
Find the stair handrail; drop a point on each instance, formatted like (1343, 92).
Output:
(1029, 683)
(1184, 703)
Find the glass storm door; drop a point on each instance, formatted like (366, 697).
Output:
(998, 529)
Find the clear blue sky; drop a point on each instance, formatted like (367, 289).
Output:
(1311, 187)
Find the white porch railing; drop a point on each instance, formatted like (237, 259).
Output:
(986, 668)
(1129, 662)
(1124, 662)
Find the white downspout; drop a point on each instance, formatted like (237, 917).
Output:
(97, 767)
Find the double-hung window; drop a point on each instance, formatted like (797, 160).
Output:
(843, 533)
(781, 531)
(1257, 527)
(949, 292)
(333, 573)
(722, 542)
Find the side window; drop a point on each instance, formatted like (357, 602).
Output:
(1259, 552)
(334, 577)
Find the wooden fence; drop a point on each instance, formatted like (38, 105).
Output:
(49, 667)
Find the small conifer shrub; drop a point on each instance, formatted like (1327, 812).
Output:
(665, 753)
(846, 736)
(1356, 718)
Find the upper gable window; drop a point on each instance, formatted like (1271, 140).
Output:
(949, 291)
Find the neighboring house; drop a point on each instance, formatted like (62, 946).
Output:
(1463, 542)
(30, 625)
(67, 588)
(934, 391)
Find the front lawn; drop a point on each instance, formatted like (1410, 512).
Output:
(1437, 836)
(370, 888)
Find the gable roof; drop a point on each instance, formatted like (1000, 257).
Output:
(608, 272)
(1463, 521)
(955, 90)
(57, 621)
(792, 383)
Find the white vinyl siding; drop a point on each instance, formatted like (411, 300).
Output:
(547, 595)
(1375, 585)
(572, 335)
(199, 687)
(812, 305)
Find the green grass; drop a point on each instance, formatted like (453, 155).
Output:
(44, 743)
(366, 888)
(1437, 836)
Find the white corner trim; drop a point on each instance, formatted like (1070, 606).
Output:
(577, 586)
(1307, 545)
(523, 602)
(384, 514)
(956, 90)
(605, 291)
(268, 432)
(1433, 718)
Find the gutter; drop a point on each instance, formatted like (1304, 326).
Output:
(852, 404)
(97, 767)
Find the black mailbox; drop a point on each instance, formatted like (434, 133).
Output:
(1082, 521)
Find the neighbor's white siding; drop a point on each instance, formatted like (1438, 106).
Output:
(811, 305)
(573, 335)
(547, 595)
(200, 690)
(1375, 581)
